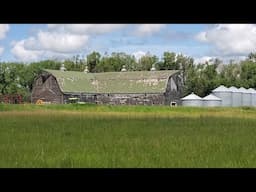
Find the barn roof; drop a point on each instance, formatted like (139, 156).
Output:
(113, 82)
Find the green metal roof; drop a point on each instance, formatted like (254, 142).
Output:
(113, 82)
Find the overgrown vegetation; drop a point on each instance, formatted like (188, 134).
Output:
(126, 136)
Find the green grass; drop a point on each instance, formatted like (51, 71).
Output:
(126, 136)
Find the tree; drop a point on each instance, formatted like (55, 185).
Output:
(248, 73)
(200, 79)
(184, 63)
(169, 62)
(145, 62)
(93, 60)
(252, 57)
(9, 80)
(115, 62)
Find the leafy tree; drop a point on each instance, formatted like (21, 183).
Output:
(115, 62)
(93, 60)
(248, 73)
(170, 61)
(145, 62)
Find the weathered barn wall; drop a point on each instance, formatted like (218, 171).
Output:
(47, 89)
(174, 90)
(119, 99)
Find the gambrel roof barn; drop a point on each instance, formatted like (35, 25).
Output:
(130, 87)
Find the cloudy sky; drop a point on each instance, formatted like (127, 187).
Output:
(33, 42)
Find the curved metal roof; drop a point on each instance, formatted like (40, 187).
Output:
(113, 82)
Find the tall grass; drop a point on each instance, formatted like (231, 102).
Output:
(108, 136)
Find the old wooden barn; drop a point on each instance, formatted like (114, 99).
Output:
(130, 87)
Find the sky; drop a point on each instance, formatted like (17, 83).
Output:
(34, 42)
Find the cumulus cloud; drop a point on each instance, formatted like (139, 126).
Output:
(1, 50)
(24, 54)
(148, 29)
(203, 59)
(59, 41)
(230, 39)
(48, 45)
(4, 28)
(139, 54)
(62, 42)
(21, 53)
(86, 28)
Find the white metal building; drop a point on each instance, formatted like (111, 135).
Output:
(224, 94)
(211, 101)
(253, 97)
(246, 96)
(236, 96)
(192, 100)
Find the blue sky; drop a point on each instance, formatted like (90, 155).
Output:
(33, 42)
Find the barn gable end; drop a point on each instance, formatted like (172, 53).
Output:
(46, 88)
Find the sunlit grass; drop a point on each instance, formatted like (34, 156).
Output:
(126, 136)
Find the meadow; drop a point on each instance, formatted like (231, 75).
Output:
(98, 136)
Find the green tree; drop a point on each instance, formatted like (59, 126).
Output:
(145, 62)
(115, 62)
(93, 59)
(248, 73)
(169, 62)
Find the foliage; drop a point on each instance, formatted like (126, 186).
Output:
(93, 60)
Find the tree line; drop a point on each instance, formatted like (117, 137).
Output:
(199, 78)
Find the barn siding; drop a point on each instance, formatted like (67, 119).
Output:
(119, 99)
(46, 88)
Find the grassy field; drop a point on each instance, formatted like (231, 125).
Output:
(126, 136)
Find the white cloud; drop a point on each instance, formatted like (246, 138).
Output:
(203, 59)
(56, 42)
(223, 59)
(4, 28)
(1, 50)
(61, 42)
(148, 29)
(48, 45)
(139, 54)
(231, 39)
(202, 36)
(23, 54)
(86, 28)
